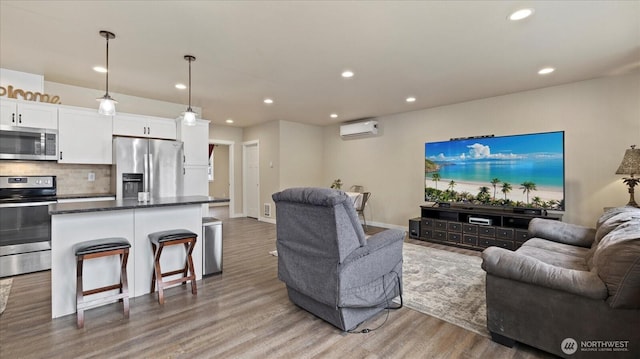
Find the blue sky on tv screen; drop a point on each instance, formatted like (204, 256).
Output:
(533, 157)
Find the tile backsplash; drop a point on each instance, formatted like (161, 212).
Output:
(72, 179)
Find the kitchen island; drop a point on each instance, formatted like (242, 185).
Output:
(72, 223)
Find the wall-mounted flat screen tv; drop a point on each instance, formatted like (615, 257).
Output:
(506, 171)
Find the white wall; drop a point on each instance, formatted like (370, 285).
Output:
(86, 97)
(301, 151)
(600, 117)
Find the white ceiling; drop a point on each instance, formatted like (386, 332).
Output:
(293, 51)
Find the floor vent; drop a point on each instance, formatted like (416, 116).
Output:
(267, 210)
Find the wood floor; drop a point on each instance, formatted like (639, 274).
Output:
(242, 313)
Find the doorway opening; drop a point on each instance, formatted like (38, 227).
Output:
(222, 172)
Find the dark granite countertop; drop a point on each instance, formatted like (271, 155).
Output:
(98, 206)
(85, 195)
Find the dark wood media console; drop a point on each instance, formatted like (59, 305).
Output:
(474, 228)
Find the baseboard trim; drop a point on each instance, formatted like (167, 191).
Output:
(387, 225)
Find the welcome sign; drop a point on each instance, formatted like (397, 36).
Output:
(21, 94)
(24, 86)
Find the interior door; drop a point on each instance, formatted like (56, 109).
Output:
(251, 180)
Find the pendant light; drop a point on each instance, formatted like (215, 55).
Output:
(189, 117)
(107, 104)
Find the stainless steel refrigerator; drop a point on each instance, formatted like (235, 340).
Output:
(147, 165)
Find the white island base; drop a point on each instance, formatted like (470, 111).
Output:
(134, 224)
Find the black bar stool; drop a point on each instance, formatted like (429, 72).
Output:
(159, 240)
(95, 249)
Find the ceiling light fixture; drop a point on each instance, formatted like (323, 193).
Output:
(189, 117)
(347, 74)
(181, 86)
(268, 101)
(107, 104)
(411, 99)
(229, 120)
(99, 69)
(334, 115)
(546, 71)
(520, 14)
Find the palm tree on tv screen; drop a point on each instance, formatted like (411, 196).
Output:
(452, 184)
(484, 196)
(494, 183)
(506, 188)
(435, 178)
(527, 187)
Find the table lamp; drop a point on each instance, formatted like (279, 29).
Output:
(630, 165)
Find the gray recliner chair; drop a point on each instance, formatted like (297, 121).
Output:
(330, 269)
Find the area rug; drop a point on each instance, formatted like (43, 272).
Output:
(443, 284)
(447, 285)
(5, 288)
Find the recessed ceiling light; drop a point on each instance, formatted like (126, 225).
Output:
(520, 14)
(229, 120)
(181, 86)
(347, 74)
(411, 99)
(334, 115)
(268, 101)
(546, 71)
(99, 69)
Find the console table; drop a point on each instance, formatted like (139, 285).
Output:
(474, 228)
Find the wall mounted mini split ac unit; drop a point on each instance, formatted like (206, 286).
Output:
(358, 129)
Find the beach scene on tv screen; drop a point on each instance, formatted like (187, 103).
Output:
(508, 171)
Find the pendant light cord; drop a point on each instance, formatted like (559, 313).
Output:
(189, 109)
(107, 87)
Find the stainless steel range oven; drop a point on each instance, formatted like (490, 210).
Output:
(25, 223)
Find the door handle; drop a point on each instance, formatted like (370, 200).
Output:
(148, 130)
(60, 154)
(20, 118)
(13, 118)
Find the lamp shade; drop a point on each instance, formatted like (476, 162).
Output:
(107, 105)
(189, 118)
(630, 162)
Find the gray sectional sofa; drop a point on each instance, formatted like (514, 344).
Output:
(569, 290)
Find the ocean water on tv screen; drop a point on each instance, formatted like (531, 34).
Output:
(543, 172)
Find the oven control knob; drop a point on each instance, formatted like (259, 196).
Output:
(37, 181)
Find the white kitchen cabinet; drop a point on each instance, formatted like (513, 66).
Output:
(196, 183)
(144, 126)
(196, 143)
(85, 136)
(28, 114)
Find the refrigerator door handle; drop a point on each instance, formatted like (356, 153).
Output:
(146, 173)
(150, 178)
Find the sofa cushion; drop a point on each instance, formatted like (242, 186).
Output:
(612, 218)
(556, 254)
(616, 260)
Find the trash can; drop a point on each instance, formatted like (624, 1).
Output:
(211, 246)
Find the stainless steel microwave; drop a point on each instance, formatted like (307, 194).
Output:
(24, 143)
